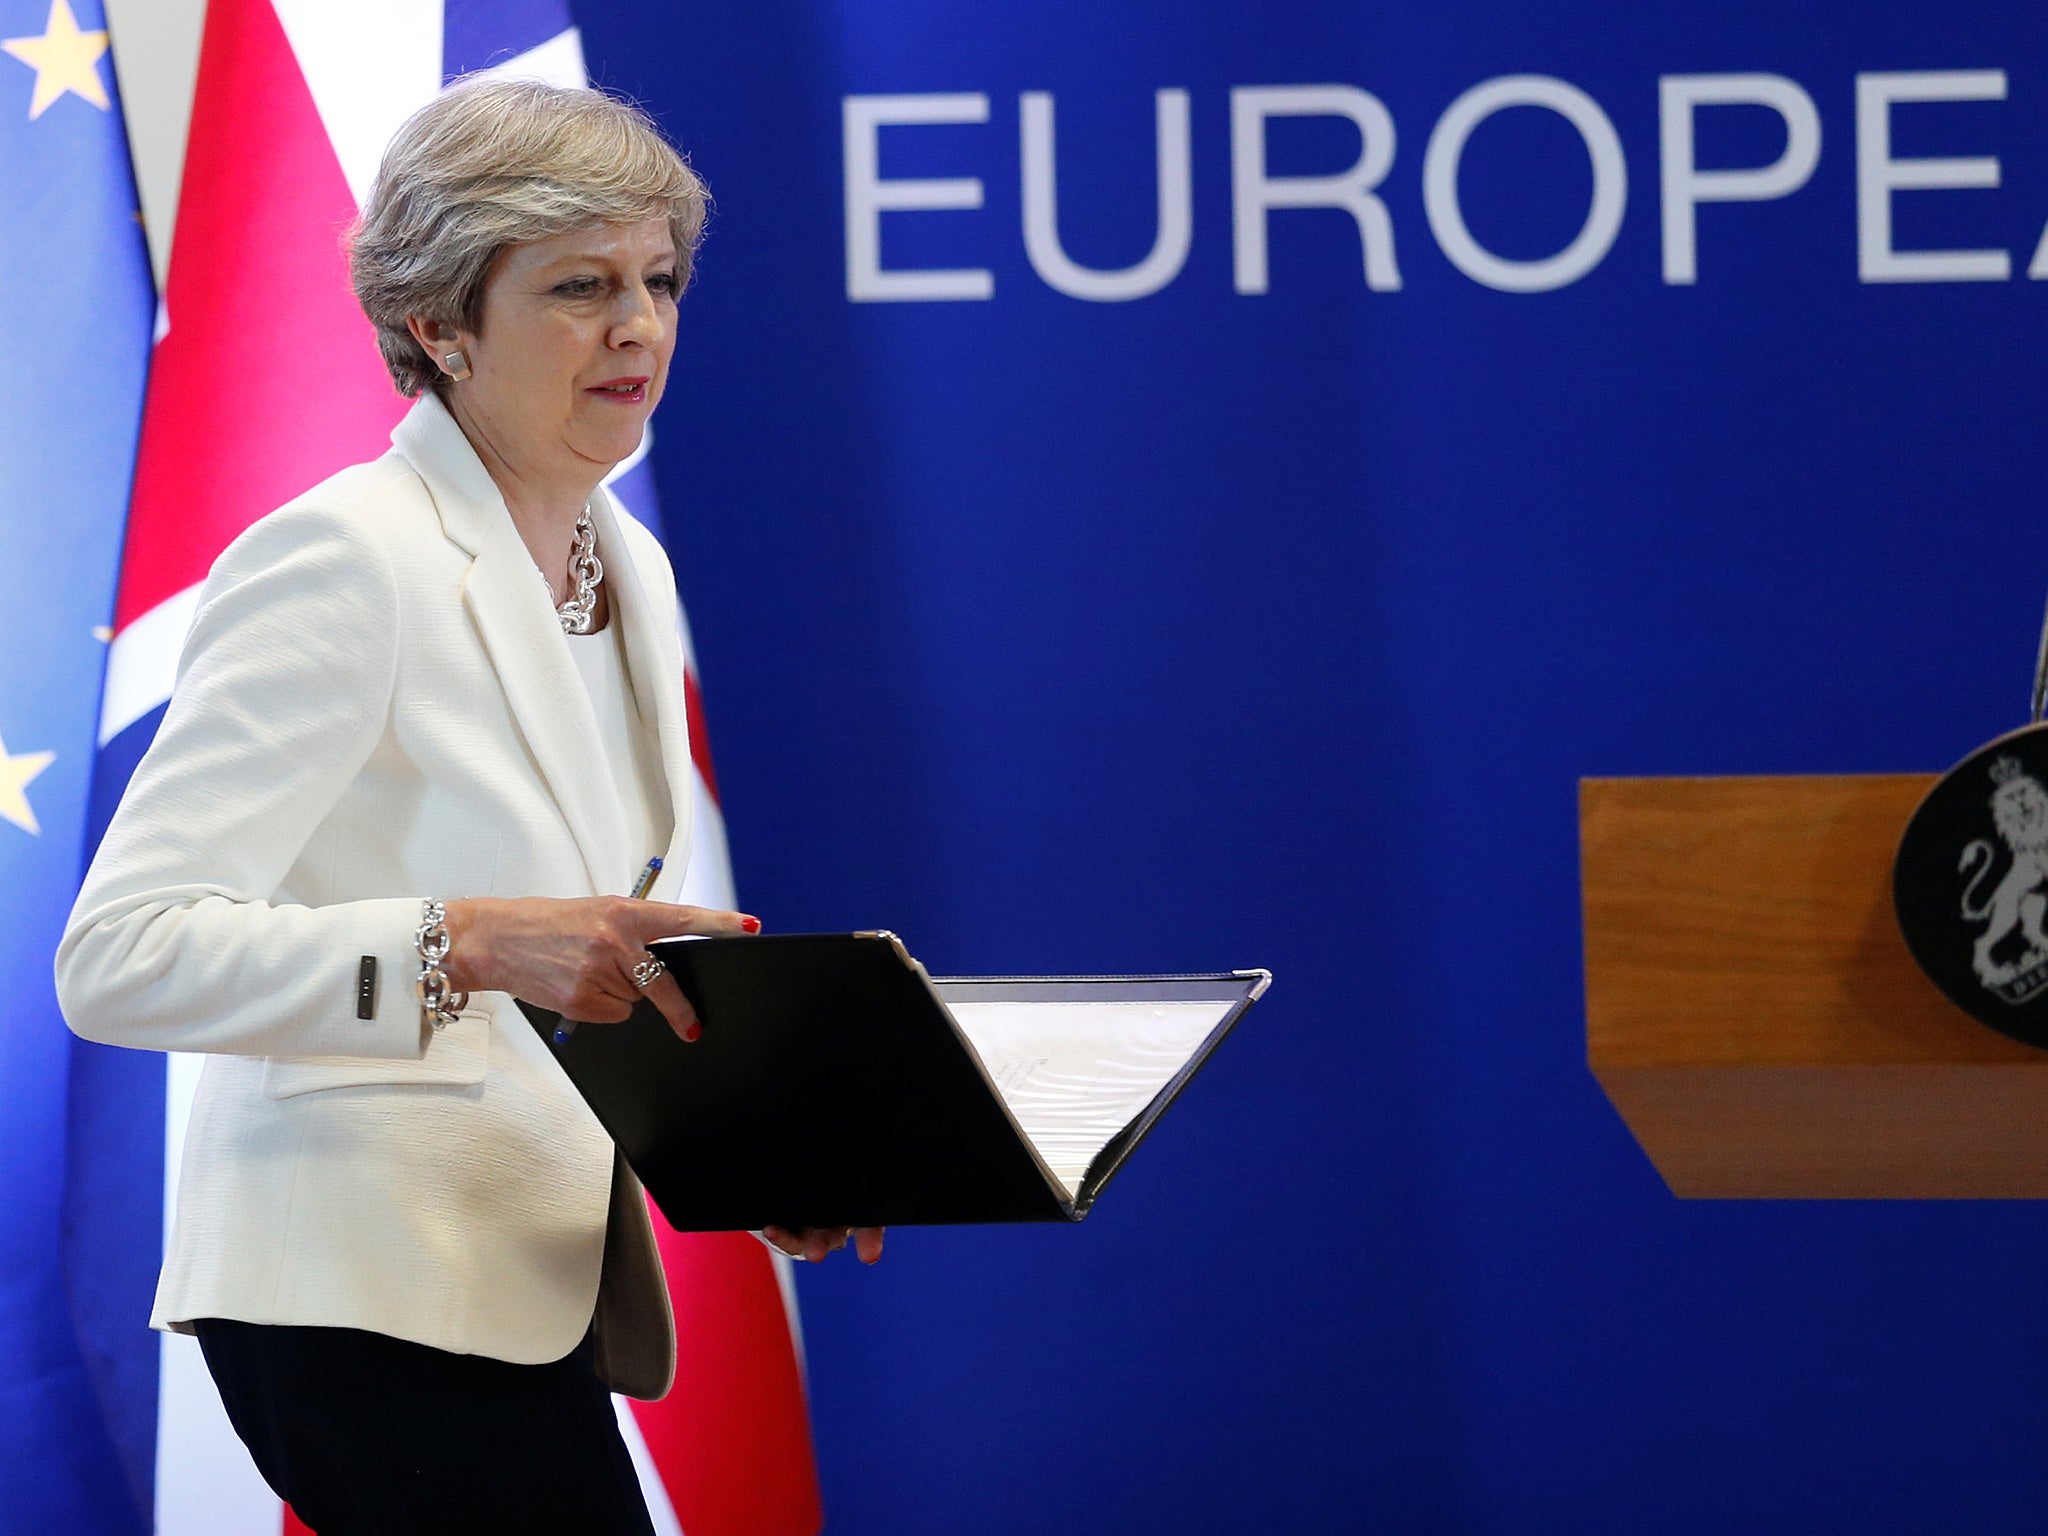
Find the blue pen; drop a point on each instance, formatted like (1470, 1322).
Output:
(641, 887)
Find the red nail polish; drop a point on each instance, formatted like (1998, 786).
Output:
(693, 1031)
(751, 924)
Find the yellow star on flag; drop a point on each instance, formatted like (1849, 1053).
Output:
(64, 59)
(15, 773)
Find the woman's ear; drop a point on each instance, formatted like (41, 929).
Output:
(442, 342)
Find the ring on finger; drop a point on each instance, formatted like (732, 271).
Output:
(647, 972)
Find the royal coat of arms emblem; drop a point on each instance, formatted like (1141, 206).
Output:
(2011, 953)
(1970, 884)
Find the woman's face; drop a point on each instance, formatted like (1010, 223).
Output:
(573, 349)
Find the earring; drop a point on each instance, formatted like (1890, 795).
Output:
(457, 364)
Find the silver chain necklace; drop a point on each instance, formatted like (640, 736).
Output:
(580, 607)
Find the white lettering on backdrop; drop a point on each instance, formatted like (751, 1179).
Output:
(1253, 191)
(868, 196)
(1686, 186)
(1256, 192)
(1176, 228)
(1878, 176)
(1440, 183)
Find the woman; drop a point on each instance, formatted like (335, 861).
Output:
(428, 726)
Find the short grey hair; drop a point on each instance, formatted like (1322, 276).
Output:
(490, 164)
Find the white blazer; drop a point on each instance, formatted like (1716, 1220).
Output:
(377, 705)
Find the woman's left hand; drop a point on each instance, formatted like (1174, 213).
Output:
(813, 1243)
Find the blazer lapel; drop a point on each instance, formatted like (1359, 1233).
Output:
(508, 601)
(653, 661)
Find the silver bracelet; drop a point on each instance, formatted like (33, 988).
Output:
(439, 1004)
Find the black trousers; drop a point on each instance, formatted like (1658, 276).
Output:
(365, 1435)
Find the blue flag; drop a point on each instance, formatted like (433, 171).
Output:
(74, 344)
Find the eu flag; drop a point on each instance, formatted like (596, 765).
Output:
(74, 343)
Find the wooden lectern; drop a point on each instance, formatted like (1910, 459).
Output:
(1752, 1011)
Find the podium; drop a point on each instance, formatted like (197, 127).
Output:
(1753, 1013)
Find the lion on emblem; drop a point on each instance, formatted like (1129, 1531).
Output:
(2019, 810)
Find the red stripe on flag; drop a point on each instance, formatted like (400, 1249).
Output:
(700, 737)
(269, 380)
(732, 1440)
(294, 1526)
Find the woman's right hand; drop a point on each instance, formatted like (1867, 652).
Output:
(576, 956)
(814, 1243)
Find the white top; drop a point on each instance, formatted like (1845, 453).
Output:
(626, 742)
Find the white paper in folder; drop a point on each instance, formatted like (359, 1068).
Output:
(1075, 1073)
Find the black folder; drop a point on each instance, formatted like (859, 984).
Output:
(833, 1086)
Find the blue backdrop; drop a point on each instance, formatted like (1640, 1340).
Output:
(1221, 628)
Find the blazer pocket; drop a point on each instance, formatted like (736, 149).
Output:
(455, 1058)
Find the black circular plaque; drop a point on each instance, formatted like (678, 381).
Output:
(1971, 885)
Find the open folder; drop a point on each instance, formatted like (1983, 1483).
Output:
(836, 1084)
